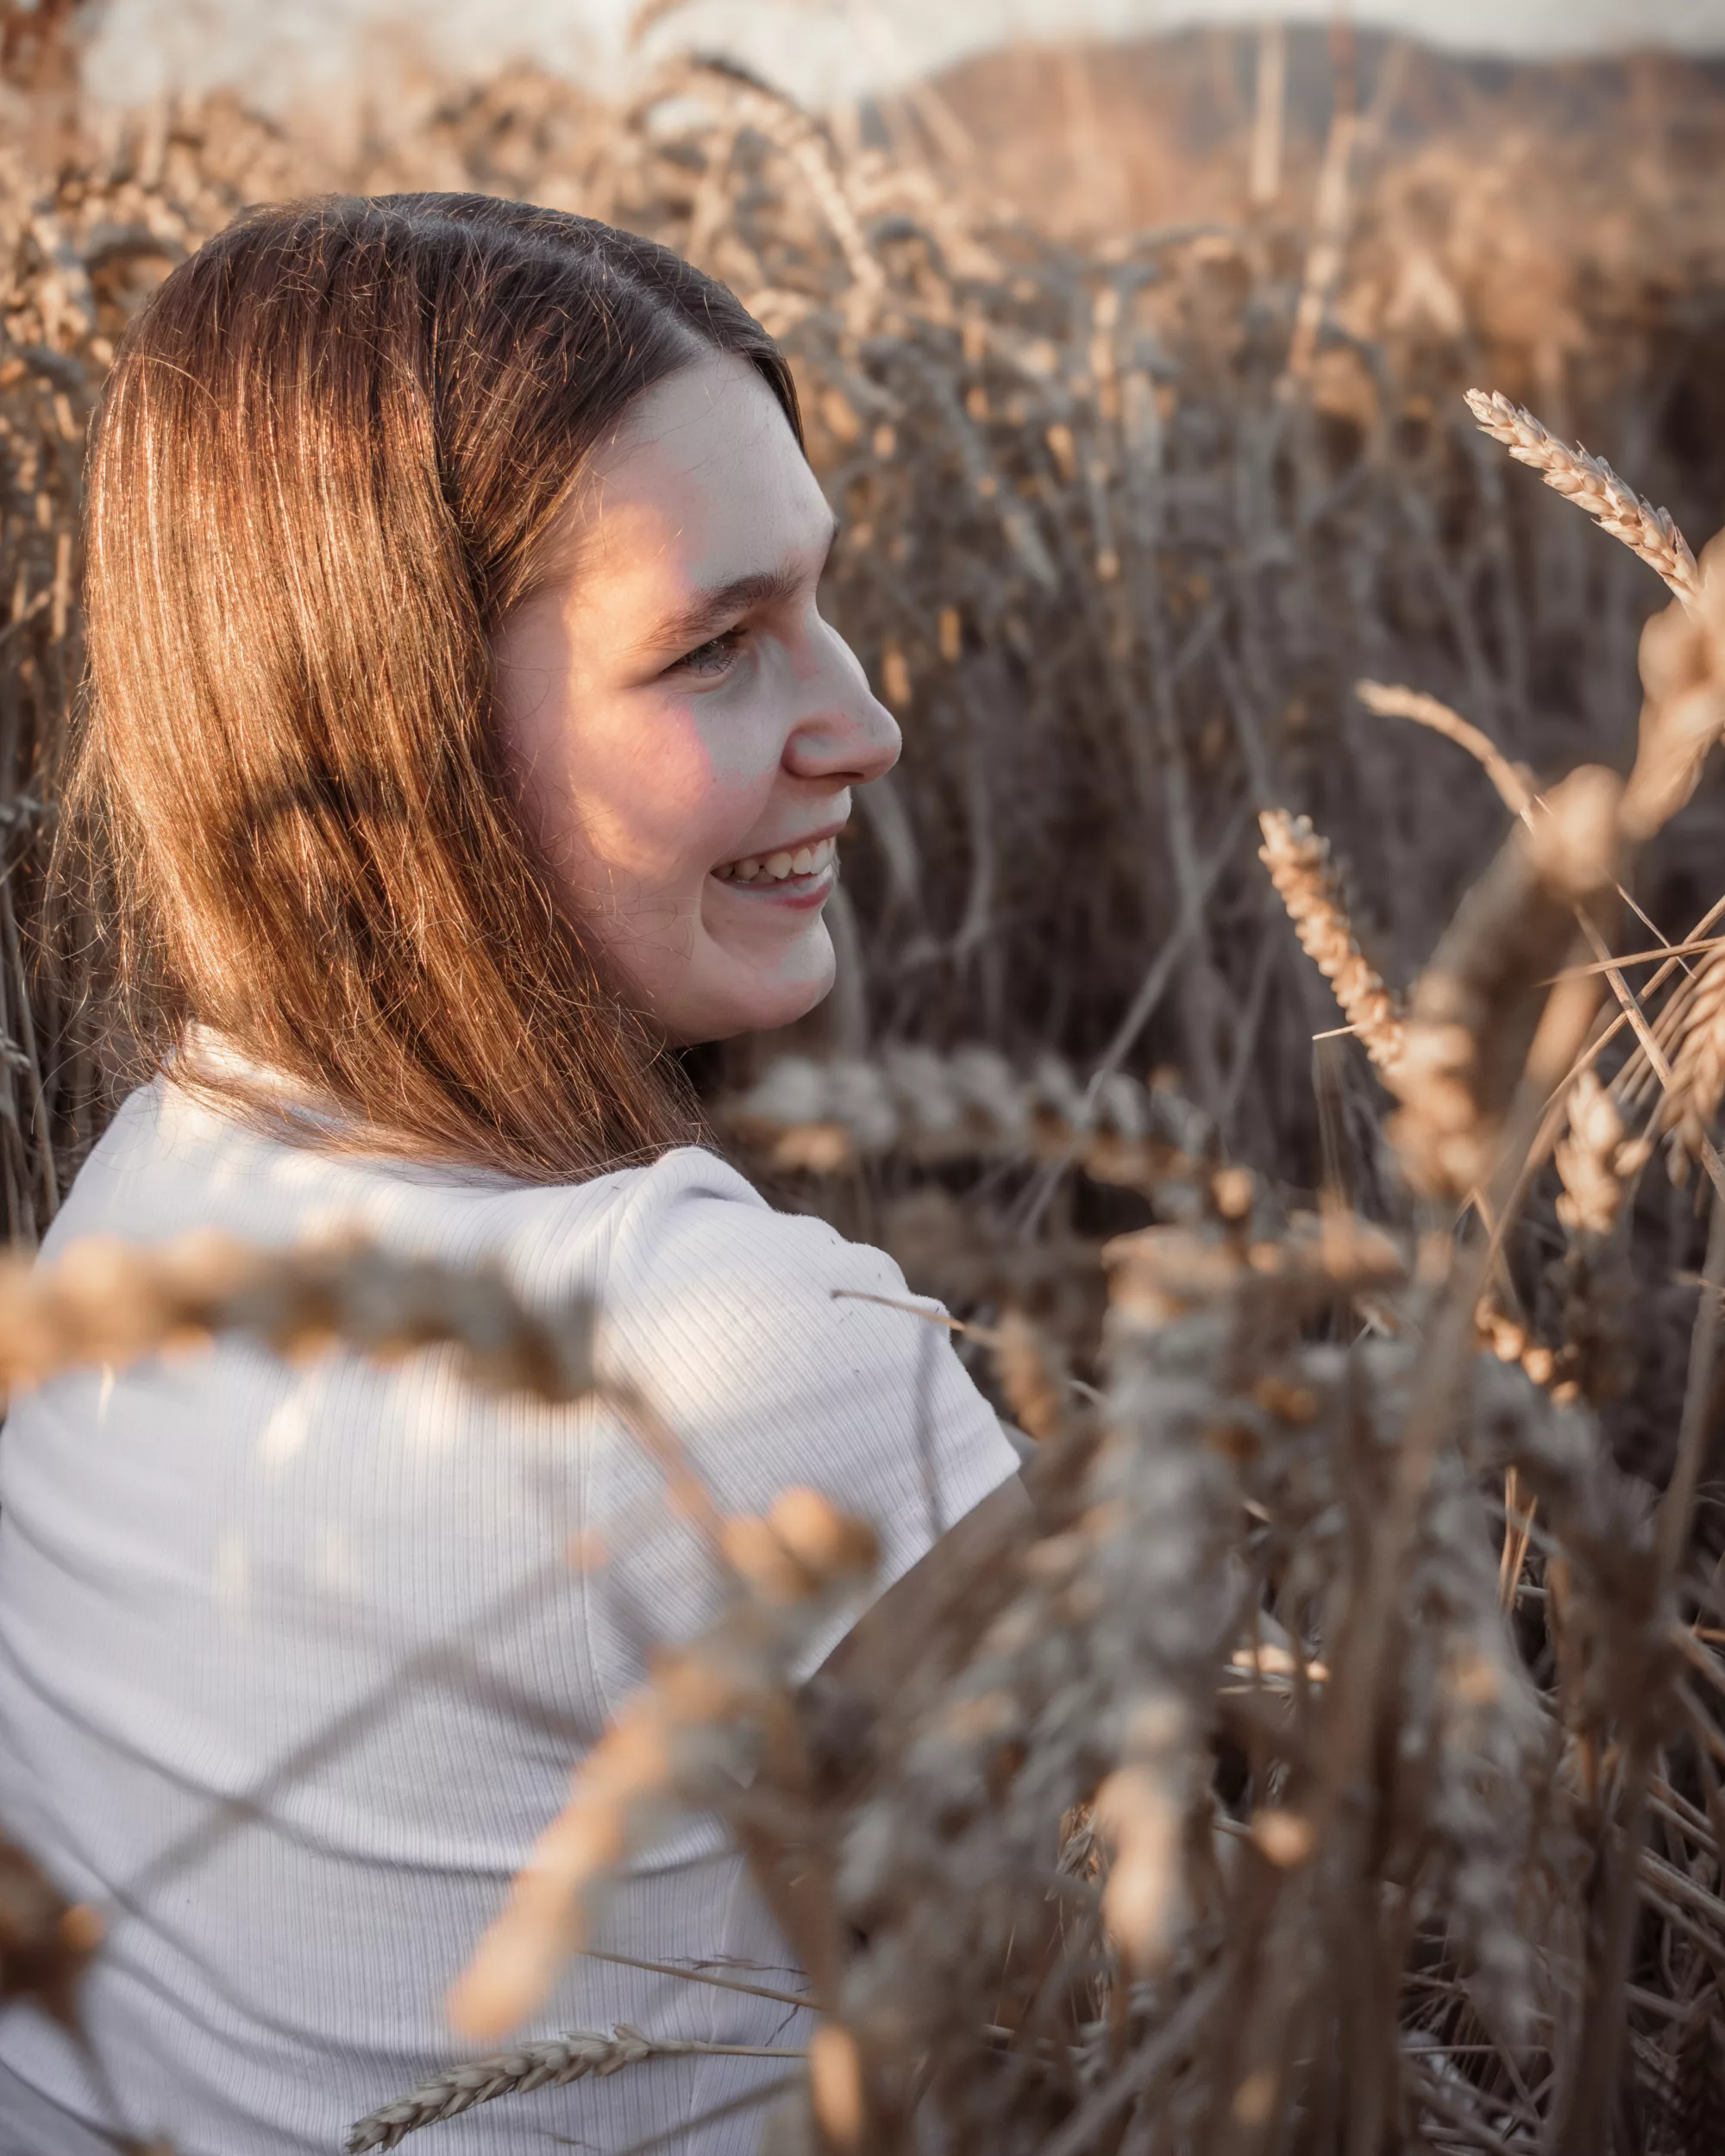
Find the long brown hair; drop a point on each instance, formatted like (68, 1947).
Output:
(331, 457)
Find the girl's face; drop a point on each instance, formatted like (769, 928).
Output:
(683, 727)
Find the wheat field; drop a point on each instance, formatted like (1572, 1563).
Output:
(1282, 1013)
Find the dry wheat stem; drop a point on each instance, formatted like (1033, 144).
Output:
(1142, 2072)
(1678, 1501)
(1517, 795)
(1426, 2089)
(1430, 1415)
(715, 1718)
(1698, 946)
(688, 1973)
(1324, 256)
(1585, 2124)
(548, 2063)
(1630, 1006)
(1669, 965)
(1641, 1076)
(1391, 701)
(1592, 485)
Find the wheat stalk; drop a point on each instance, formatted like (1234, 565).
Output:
(1299, 867)
(551, 2062)
(109, 1303)
(1391, 701)
(1592, 485)
(713, 1718)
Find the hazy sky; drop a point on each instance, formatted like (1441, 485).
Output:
(818, 48)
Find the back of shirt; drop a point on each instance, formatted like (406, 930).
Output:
(295, 1661)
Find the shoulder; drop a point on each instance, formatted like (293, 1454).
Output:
(691, 1222)
(697, 1256)
(778, 1355)
(98, 1201)
(786, 1354)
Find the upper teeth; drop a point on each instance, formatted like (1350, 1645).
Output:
(775, 867)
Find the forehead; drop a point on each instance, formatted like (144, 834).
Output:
(702, 483)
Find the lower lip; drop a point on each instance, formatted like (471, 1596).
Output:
(801, 893)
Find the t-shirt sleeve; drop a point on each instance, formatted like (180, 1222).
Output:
(750, 1332)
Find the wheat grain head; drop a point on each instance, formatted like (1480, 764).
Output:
(1299, 867)
(551, 2062)
(1698, 1078)
(1476, 1007)
(1592, 485)
(1683, 709)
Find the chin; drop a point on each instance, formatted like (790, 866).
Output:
(761, 1006)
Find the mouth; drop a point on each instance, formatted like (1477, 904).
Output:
(795, 868)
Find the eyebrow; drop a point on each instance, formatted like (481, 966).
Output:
(709, 612)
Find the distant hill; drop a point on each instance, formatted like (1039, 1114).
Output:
(1157, 129)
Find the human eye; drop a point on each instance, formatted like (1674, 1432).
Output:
(712, 659)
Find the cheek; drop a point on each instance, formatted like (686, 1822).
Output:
(659, 796)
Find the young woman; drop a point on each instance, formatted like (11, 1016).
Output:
(464, 736)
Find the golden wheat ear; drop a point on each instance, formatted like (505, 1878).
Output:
(1299, 867)
(1591, 484)
(1697, 1084)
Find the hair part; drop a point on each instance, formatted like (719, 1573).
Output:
(331, 455)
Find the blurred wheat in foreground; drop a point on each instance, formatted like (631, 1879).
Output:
(1336, 1765)
(1336, 1761)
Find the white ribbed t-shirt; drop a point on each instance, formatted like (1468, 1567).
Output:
(294, 1661)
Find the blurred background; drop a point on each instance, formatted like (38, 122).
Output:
(1132, 339)
(820, 51)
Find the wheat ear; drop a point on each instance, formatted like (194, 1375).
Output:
(1698, 1078)
(1591, 484)
(1299, 867)
(1475, 1010)
(1032, 1374)
(551, 2063)
(112, 1303)
(1594, 1158)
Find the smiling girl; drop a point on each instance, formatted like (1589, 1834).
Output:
(463, 738)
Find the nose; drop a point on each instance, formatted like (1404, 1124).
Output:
(843, 732)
